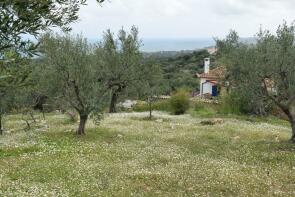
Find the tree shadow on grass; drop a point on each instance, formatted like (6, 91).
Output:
(93, 134)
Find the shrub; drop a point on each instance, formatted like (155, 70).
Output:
(179, 102)
(230, 104)
(141, 107)
(204, 109)
(239, 102)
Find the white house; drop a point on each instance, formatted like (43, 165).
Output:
(210, 79)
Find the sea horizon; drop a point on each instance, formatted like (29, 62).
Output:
(175, 44)
(172, 44)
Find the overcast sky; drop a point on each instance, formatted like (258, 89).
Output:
(184, 18)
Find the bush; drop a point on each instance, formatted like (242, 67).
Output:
(179, 102)
(242, 102)
(204, 109)
(231, 104)
(141, 106)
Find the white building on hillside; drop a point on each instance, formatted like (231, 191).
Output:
(210, 79)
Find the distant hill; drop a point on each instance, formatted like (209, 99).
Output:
(180, 67)
(167, 54)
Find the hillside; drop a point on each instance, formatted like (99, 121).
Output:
(127, 155)
(180, 68)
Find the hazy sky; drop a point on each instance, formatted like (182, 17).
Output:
(184, 18)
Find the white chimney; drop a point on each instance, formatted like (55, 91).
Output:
(207, 65)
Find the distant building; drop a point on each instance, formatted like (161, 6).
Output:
(210, 80)
(212, 50)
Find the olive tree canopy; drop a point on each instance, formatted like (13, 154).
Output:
(71, 62)
(266, 69)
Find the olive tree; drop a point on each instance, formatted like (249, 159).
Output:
(122, 61)
(266, 69)
(14, 74)
(30, 17)
(71, 62)
(20, 21)
(151, 84)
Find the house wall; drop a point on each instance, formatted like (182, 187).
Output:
(205, 87)
(201, 86)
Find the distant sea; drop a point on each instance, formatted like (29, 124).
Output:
(172, 44)
(169, 44)
(179, 44)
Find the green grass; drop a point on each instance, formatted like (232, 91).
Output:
(199, 109)
(129, 155)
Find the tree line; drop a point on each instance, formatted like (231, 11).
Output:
(67, 70)
(75, 74)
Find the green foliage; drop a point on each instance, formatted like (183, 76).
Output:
(20, 19)
(14, 72)
(30, 17)
(179, 102)
(244, 86)
(180, 71)
(201, 109)
(14, 75)
(150, 84)
(232, 104)
(263, 72)
(152, 78)
(121, 61)
(79, 79)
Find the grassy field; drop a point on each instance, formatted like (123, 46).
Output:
(130, 156)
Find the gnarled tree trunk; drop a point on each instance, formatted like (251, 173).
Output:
(115, 94)
(293, 131)
(291, 118)
(286, 108)
(1, 129)
(114, 99)
(82, 124)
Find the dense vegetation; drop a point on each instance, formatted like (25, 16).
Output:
(21, 19)
(180, 71)
(122, 66)
(262, 74)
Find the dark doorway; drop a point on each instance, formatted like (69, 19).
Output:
(214, 91)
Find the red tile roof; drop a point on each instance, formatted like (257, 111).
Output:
(216, 73)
